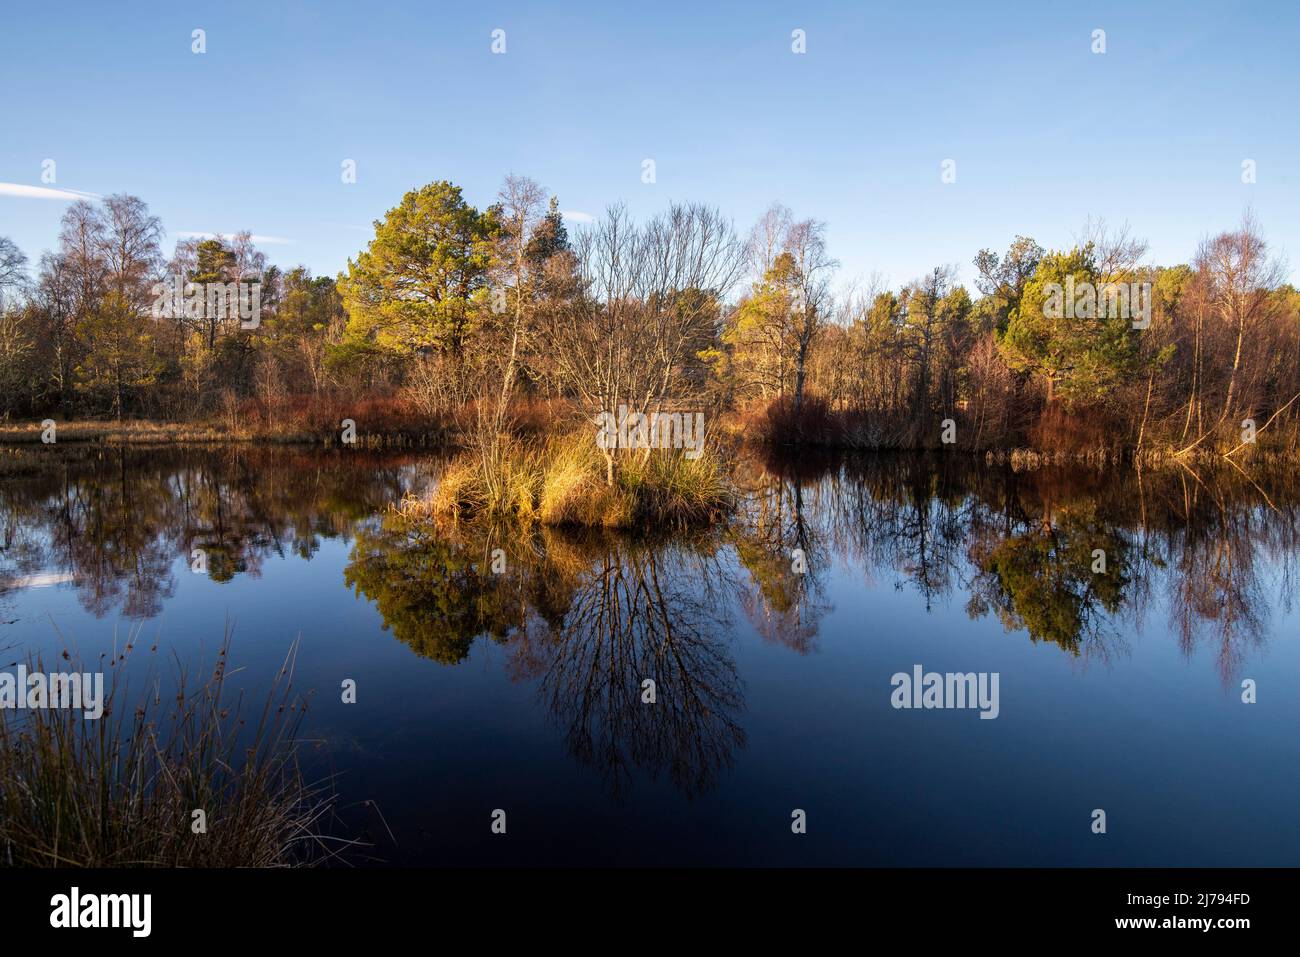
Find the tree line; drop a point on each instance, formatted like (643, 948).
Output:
(456, 310)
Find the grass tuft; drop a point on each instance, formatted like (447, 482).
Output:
(121, 791)
(563, 482)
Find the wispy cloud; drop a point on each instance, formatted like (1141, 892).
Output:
(577, 216)
(23, 191)
(260, 240)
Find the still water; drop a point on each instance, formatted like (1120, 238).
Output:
(496, 669)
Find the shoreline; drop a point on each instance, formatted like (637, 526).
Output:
(150, 432)
(154, 432)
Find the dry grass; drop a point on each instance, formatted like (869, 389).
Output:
(380, 421)
(120, 791)
(574, 490)
(563, 482)
(128, 430)
(672, 489)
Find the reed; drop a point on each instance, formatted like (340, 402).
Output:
(121, 791)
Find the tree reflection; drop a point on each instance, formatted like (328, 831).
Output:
(589, 618)
(436, 593)
(642, 613)
(1215, 593)
(121, 522)
(780, 539)
(1023, 546)
(1060, 582)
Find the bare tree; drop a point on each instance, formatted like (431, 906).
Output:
(1240, 278)
(767, 238)
(1116, 251)
(81, 241)
(789, 303)
(13, 267)
(806, 243)
(649, 301)
(129, 246)
(519, 209)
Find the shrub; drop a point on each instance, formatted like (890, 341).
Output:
(780, 423)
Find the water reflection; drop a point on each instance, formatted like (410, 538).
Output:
(1074, 560)
(117, 520)
(640, 613)
(782, 546)
(1062, 580)
(590, 618)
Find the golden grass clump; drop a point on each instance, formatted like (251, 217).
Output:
(563, 482)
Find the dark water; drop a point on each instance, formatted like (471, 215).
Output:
(522, 690)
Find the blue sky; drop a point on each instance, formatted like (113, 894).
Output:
(1044, 133)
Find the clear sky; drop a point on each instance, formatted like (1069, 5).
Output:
(252, 133)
